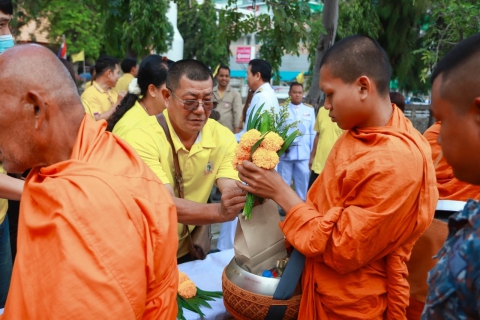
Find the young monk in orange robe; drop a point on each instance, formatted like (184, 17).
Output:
(97, 229)
(373, 200)
(449, 187)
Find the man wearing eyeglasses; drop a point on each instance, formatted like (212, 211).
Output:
(205, 150)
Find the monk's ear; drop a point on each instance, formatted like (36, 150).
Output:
(36, 107)
(364, 87)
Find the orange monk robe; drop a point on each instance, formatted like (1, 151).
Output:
(96, 237)
(449, 187)
(363, 214)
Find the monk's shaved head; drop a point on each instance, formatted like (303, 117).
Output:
(33, 67)
(40, 110)
(460, 71)
(357, 56)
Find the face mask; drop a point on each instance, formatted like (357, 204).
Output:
(6, 42)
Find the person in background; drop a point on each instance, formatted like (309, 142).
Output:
(96, 234)
(229, 101)
(100, 100)
(130, 70)
(92, 76)
(398, 99)
(327, 133)
(259, 73)
(144, 97)
(295, 162)
(454, 282)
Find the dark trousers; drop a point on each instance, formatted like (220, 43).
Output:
(313, 177)
(5, 262)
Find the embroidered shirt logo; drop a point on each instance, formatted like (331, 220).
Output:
(208, 168)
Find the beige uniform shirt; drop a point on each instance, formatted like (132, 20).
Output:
(230, 107)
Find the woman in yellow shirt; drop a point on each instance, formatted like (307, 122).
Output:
(144, 97)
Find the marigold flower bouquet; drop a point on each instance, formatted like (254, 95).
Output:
(191, 297)
(268, 136)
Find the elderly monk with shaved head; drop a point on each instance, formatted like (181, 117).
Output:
(97, 228)
(373, 200)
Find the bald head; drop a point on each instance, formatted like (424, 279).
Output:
(40, 111)
(357, 56)
(460, 70)
(33, 67)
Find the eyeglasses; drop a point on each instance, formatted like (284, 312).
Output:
(192, 105)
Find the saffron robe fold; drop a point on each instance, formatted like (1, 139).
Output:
(449, 187)
(96, 237)
(374, 199)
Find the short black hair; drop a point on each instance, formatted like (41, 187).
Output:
(6, 6)
(293, 84)
(262, 66)
(460, 54)
(356, 56)
(224, 67)
(127, 64)
(103, 64)
(398, 99)
(193, 69)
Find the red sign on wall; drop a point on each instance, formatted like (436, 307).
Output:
(244, 54)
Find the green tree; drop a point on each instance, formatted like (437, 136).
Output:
(64, 18)
(197, 23)
(135, 27)
(447, 23)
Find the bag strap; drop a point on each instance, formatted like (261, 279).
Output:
(440, 155)
(286, 286)
(178, 173)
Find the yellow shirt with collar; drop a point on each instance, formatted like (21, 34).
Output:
(97, 100)
(329, 132)
(3, 202)
(129, 120)
(209, 159)
(124, 82)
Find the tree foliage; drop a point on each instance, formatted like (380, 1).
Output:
(447, 23)
(197, 23)
(135, 27)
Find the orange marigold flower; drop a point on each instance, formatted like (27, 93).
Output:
(272, 142)
(187, 289)
(249, 138)
(182, 277)
(264, 158)
(240, 155)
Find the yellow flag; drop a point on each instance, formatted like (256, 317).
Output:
(216, 71)
(78, 56)
(300, 77)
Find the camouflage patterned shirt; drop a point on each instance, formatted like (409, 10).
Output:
(454, 283)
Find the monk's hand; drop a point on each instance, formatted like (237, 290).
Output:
(260, 182)
(233, 200)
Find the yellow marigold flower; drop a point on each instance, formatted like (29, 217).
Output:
(249, 138)
(182, 277)
(272, 142)
(240, 155)
(187, 289)
(264, 158)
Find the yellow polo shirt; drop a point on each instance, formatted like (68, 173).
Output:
(97, 100)
(130, 119)
(124, 82)
(3, 202)
(209, 159)
(329, 133)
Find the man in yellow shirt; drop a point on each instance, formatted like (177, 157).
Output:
(327, 134)
(130, 70)
(205, 149)
(100, 100)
